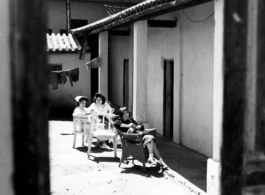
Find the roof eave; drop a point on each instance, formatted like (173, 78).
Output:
(135, 13)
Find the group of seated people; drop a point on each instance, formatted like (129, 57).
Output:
(123, 121)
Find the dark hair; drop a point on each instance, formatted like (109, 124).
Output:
(123, 110)
(101, 96)
(82, 98)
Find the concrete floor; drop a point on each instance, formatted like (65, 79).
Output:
(73, 173)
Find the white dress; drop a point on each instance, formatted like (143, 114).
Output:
(101, 133)
(81, 111)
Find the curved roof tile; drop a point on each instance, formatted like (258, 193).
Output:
(63, 42)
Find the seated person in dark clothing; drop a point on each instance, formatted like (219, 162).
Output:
(127, 124)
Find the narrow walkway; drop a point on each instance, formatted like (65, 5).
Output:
(186, 162)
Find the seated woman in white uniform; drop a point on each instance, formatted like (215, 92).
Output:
(81, 109)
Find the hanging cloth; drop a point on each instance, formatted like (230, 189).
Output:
(95, 63)
(73, 75)
(62, 77)
(54, 76)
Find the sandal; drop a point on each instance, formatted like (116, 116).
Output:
(163, 167)
(125, 162)
(151, 161)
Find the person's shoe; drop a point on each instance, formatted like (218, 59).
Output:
(151, 161)
(104, 146)
(170, 172)
(163, 167)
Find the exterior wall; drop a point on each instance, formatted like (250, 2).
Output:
(159, 47)
(120, 48)
(63, 97)
(191, 46)
(79, 10)
(197, 51)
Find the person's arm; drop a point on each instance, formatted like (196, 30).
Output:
(90, 109)
(127, 125)
(77, 112)
(139, 126)
(118, 123)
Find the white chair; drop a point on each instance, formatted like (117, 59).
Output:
(78, 130)
(94, 127)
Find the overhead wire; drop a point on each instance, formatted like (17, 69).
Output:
(197, 20)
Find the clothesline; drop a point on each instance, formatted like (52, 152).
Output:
(87, 63)
(73, 74)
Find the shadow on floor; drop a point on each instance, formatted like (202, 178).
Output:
(186, 162)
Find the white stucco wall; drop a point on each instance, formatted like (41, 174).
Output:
(120, 48)
(65, 94)
(197, 79)
(160, 47)
(191, 46)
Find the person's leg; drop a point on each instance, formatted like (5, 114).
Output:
(150, 147)
(130, 130)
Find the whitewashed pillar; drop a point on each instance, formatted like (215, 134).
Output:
(140, 70)
(103, 70)
(213, 165)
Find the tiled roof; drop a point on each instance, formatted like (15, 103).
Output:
(141, 11)
(113, 9)
(62, 43)
(131, 13)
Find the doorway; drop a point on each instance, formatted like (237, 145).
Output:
(126, 83)
(168, 98)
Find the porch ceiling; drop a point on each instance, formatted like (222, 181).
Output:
(141, 11)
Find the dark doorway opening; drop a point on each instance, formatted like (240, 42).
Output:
(168, 98)
(126, 83)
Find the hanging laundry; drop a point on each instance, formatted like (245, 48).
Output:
(62, 77)
(88, 65)
(54, 76)
(73, 75)
(95, 63)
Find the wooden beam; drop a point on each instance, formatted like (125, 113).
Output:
(260, 132)
(162, 23)
(83, 50)
(30, 99)
(68, 15)
(234, 105)
(119, 33)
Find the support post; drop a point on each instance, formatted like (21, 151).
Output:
(213, 165)
(30, 96)
(103, 69)
(140, 70)
(68, 15)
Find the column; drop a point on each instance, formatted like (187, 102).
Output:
(103, 70)
(213, 165)
(140, 70)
